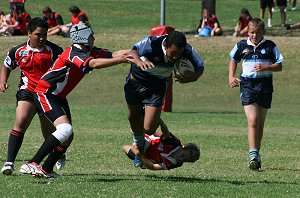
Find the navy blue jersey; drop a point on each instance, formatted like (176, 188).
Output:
(266, 52)
(152, 49)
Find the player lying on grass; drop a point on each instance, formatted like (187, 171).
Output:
(163, 152)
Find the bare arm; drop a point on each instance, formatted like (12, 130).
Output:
(233, 81)
(267, 67)
(5, 72)
(189, 77)
(99, 63)
(146, 162)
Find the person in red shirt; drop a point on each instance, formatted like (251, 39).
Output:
(52, 89)
(163, 152)
(18, 24)
(54, 20)
(209, 20)
(241, 28)
(77, 17)
(33, 58)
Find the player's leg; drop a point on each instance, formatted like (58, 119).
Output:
(151, 119)
(261, 120)
(252, 114)
(25, 112)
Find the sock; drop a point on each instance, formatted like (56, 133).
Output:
(269, 22)
(139, 140)
(254, 153)
(49, 144)
(53, 157)
(14, 145)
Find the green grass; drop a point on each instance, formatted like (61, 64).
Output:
(206, 112)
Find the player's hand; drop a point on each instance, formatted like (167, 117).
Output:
(144, 65)
(3, 87)
(126, 58)
(234, 82)
(261, 67)
(186, 78)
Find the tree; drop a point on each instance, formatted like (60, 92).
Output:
(210, 5)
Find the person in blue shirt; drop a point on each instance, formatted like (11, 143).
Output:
(260, 57)
(145, 87)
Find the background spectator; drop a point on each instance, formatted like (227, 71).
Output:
(209, 20)
(53, 19)
(241, 28)
(263, 5)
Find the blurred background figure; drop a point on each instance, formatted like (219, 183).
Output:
(241, 28)
(282, 5)
(53, 19)
(209, 22)
(266, 4)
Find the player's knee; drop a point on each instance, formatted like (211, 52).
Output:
(63, 132)
(149, 131)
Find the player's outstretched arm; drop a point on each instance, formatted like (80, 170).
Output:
(146, 162)
(99, 63)
(138, 62)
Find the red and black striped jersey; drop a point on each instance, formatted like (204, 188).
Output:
(160, 152)
(68, 70)
(32, 62)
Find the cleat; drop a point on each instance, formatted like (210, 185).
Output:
(137, 162)
(60, 164)
(7, 168)
(29, 168)
(41, 173)
(254, 164)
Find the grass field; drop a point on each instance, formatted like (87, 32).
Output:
(206, 112)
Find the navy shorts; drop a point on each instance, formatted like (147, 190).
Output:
(138, 94)
(57, 106)
(262, 99)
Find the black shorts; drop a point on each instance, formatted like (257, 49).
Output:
(266, 3)
(52, 106)
(281, 3)
(24, 95)
(138, 94)
(262, 99)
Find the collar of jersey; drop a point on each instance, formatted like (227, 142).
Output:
(29, 48)
(164, 50)
(252, 44)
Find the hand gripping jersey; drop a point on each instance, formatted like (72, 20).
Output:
(33, 63)
(152, 48)
(68, 70)
(160, 151)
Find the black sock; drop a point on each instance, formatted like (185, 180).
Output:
(53, 157)
(49, 144)
(14, 145)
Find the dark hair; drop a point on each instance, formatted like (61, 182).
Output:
(74, 9)
(37, 22)
(193, 150)
(1, 12)
(47, 10)
(176, 38)
(245, 11)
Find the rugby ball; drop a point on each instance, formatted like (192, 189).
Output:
(183, 67)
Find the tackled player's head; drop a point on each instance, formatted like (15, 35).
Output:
(192, 152)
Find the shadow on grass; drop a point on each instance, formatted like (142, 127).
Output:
(125, 177)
